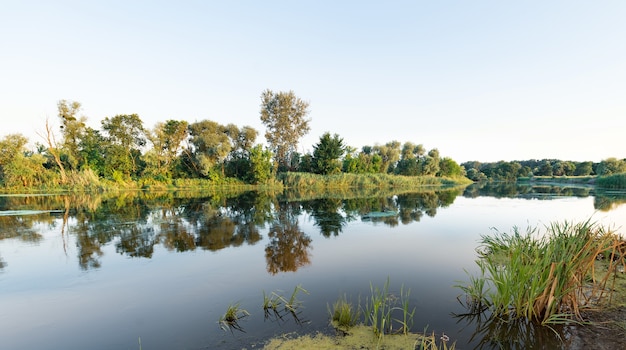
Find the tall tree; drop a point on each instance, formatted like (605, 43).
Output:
(73, 128)
(327, 154)
(285, 117)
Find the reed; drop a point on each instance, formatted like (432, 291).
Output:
(615, 181)
(230, 319)
(378, 180)
(344, 315)
(406, 322)
(545, 278)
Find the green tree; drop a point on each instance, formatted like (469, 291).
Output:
(583, 169)
(73, 128)
(19, 168)
(431, 163)
(389, 154)
(125, 136)
(448, 167)
(285, 117)
(92, 151)
(261, 168)
(611, 166)
(211, 146)
(166, 139)
(327, 154)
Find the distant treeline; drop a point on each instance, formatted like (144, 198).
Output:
(123, 153)
(512, 170)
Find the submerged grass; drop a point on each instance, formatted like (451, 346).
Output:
(544, 278)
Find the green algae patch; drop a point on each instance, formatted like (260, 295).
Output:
(359, 337)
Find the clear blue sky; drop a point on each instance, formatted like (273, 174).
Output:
(479, 80)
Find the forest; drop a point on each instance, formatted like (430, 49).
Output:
(125, 153)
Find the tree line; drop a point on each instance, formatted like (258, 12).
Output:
(124, 150)
(512, 170)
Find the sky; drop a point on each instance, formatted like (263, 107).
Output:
(478, 80)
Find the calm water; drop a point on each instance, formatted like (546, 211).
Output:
(103, 272)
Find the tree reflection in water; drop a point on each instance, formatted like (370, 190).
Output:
(134, 222)
(289, 246)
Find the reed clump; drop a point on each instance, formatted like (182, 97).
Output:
(230, 319)
(546, 277)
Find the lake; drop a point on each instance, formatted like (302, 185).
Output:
(157, 270)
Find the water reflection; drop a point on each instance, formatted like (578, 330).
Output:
(135, 222)
(603, 200)
(289, 246)
(495, 333)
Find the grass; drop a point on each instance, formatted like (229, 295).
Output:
(273, 301)
(383, 314)
(545, 278)
(344, 315)
(616, 181)
(230, 319)
(351, 181)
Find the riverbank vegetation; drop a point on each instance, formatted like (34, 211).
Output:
(125, 154)
(607, 172)
(546, 277)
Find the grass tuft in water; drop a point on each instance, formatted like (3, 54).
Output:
(344, 315)
(230, 319)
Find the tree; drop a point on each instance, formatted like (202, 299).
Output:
(611, 166)
(166, 139)
(448, 167)
(73, 128)
(260, 164)
(389, 154)
(53, 149)
(212, 145)
(125, 137)
(284, 115)
(92, 151)
(327, 153)
(16, 167)
(583, 169)
(431, 163)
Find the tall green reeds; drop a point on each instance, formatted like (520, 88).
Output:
(615, 181)
(545, 278)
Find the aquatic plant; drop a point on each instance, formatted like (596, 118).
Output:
(272, 303)
(406, 322)
(344, 315)
(230, 319)
(545, 278)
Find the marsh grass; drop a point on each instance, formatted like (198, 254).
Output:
(615, 181)
(272, 305)
(349, 180)
(343, 314)
(230, 319)
(544, 278)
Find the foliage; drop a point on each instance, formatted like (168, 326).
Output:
(284, 115)
(615, 181)
(544, 278)
(327, 153)
(125, 136)
(343, 180)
